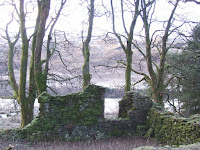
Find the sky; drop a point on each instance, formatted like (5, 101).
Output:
(103, 24)
(74, 18)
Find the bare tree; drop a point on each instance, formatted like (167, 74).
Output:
(127, 46)
(26, 99)
(155, 76)
(86, 49)
(41, 76)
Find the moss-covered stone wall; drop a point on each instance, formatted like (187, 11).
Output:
(83, 108)
(172, 129)
(135, 106)
(61, 113)
(78, 116)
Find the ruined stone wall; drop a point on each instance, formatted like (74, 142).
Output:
(135, 106)
(83, 108)
(172, 129)
(78, 116)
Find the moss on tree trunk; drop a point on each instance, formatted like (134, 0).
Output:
(11, 73)
(86, 67)
(27, 106)
(128, 71)
(39, 77)
(86, 50)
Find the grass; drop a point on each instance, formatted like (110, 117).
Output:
(125, 143)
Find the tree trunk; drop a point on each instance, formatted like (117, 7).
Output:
(27, 106)
(11, 73)
(86, 51)
(128, 70)
(128, 51)
(48, 55)
(39, 76)
(32, 83)
(128, 48)
(22, 82)
(160, 85)
(23, 67)
(86, 67)
(157, 94)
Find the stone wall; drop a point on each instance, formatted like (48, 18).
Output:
(83, 108)
(172, 129)
(135, 106)
(78, 116)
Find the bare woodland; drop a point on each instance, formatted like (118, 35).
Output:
(40, 56)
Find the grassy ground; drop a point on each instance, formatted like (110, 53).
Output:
(195, 146)
(125, 143)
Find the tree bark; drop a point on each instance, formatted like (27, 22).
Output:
(39, 76)
(11, 73)
(128, 70)
(23, 69)
(86, 50)
(27, 103)
(32, 83)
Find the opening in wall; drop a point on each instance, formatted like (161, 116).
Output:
(111, 108)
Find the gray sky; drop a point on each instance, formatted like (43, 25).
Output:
(75, 17)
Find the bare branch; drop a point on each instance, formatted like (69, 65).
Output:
(114, 30)
(139, 81)
(174, 76)
(137, 72)
(174, 107)
(138, 48)
(195, 1)
(122, 12)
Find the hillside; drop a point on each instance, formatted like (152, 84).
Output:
(66, 63)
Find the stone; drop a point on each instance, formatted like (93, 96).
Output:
(172, 129)
(135, 107)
